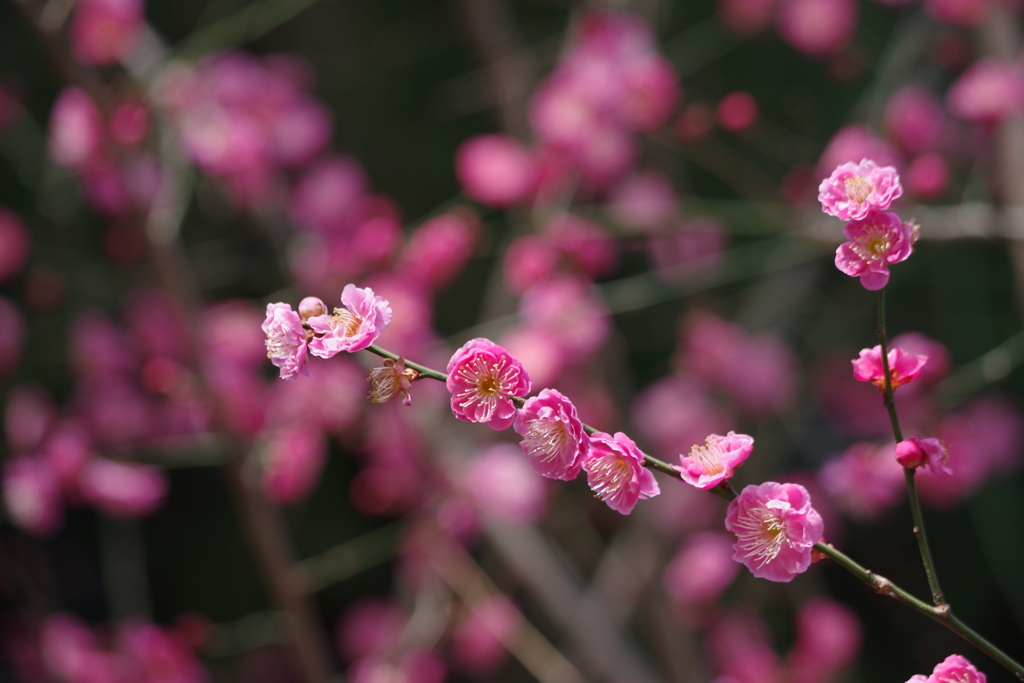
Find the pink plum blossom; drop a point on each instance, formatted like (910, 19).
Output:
(121, 489)
(76, 129)
(528, 260)
(864, 481)
(828, 637)
(875, 242)
(482, 378)
(914, 120)
(776, 529)
(917, 452)
(292, 462)
(953, 669)
(353, 328)
(495, 169)
(737, 111)
(701, 569)
(553, 436)
(286, 341)
(705, 467)
(391, 380)
(644, 201)
(903, 367)
(855, 190)
(989, 91)
(31, 490)
(616, 473)
(690, 251)
(439, 248)
(854, 143)
(817, 27)
(14, 244)
(927, 176)
(105, 31)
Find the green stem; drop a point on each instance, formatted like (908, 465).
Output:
(915, 503)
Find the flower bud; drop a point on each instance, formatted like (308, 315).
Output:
(311, 306)
(909, 454)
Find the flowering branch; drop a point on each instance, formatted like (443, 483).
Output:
(908, 473)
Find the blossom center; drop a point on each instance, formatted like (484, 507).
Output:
(857, 189)
(346, 320)
(761, 535)
(613, 473)
(280, 345)
(545, 439)
(873, 245)
(708, 457)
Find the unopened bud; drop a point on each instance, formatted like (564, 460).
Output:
(910, 454)
(311, 307)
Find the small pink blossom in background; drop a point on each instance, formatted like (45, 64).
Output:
(917, 452)
(645, 202)
(676, 412)
(746, 17)
(875, 242)
(693, 250)
(286, 341)
(76, 129)
(482, 378)
(817, 27)
(292, 463)
(739, 644)
(679, 511)
(553, 436)
(953, 669)
(776, 529)
(736, 111)
(537, 349)
(155, 655)
(14, 244)
(853, 143)
(353, 328)
(496, 170)
(707, 466)
(100, 348)
(997, 428)
(370, 626)
(616, 473)
(129, 123)
(413, 666)
(927, 176)
(66, 452)
(864, 481)
(914, 120)
(105, 31)
(828, 638)
(651, 92)
(528, 260)
(903, 367)
(327, 194)
(122, 489)
(439, 248)
(29, 415)
(571, 311)
(503, 485)
(967, 13)
(411, 332)
(701, 569)
(987, 92)
(478, 642)
(583, 243)
(12, 334)
(231, 334)
(68, 647)
(855, 190)
(32, 495)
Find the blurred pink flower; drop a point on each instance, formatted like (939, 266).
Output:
(583, 243)
(987, 92)
(28, 417)
(853, 143)
(12, 334)
(327, 194)
(153, 323)
(332, 400)
(954, 669)
(122, 489)
(817, 27)
(553, 436)
(105, 31)
(740, 645)
(694, 249)
(286, 341)
(828, 637)
(66, 452)
(439, 249)
(864, 481)
(67, 647)
(737, 111)
(644, 201)
(31, 490)
(746, 17)
(100, 348)
(353, 328)
(927, 176)
(875, 242)
(570, 310)
(914, 120)
(413, 666)
(370, 626)
(776, 529)
(903, 367)
(967, 13)
(503, 485)
(855, 190)
(495, 169)
(616, 473)
(701, 569)
(76, 129)
(15, 243)
(158, 656)
(528, 260)
(479, 641)
(538, 350)
(129, 123)
(482, 379)
(292, 463)
(917, 452)
(675, 412)
(705, 467)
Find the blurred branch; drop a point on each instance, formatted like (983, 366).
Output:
(249, 23)
(347, 559)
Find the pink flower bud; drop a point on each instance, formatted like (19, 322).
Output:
(14, 245)
(292, 465)
(311, 306)
(917, 452)
(737, 111)
(122, 489)
(76, 129)
(495, 169)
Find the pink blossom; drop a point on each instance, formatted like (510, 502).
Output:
(29, 415)
(917, 452)
(66, 452)
(100, 348)
(864, 481)
(553, 436)
(67, 645)
(953, 669)
(31, 492)
(855, 190)
(327, 195)
(503, 486)
(571, 311)
(439, 248)
(479, 641)
(391, 380)
(231, 334)
(495, 169)
(875, 242)
(676, 412)
(776, 529)
(968, 13)
(528, 260)
(817, 27)
(903, 367)
(914, 120)
(651, 92)
(105, 31)
(701, 570)
(537, 349)
(129, 123)
(737, 111)
(616, 473)
(828, 637)
(740, 645)
(76, 129)
(583, 242)
(644, 202)
(286, 341)
(692, 250)
(310, 307)
(854, 143)
(353, 328)
(122, 489)
(15, 243)
(482, 378)
(12, 334)
(292, 462)
(927, 176)
(332, 401)
(705, 467)
(158, 656)
(987, 92)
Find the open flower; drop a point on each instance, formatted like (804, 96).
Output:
(553, 436)
(286, 341)
(391, 380)
(482, 378)
(352, 328)
(776, 529)
(903, 367)
(875, 242)
(616, 473)
(707, 466)
(918, 452)
(855, 190)
(953, 669)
